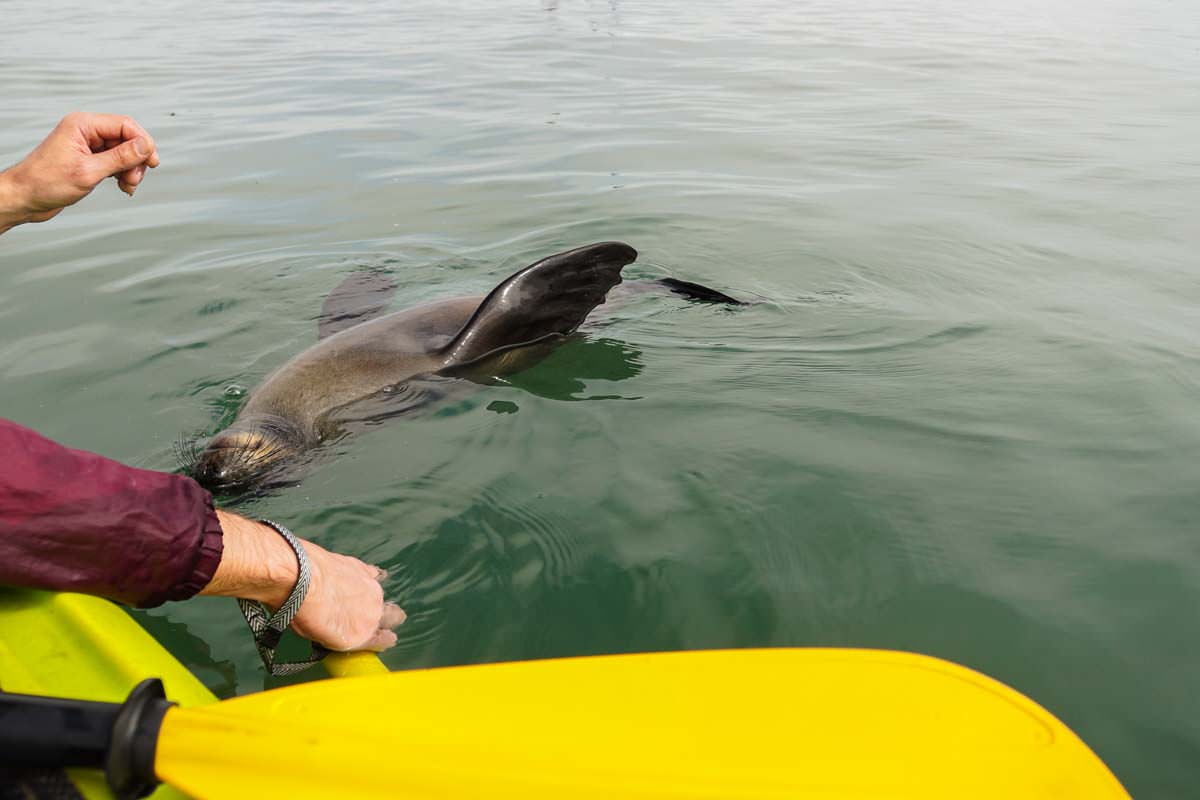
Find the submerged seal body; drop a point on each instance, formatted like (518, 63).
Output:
(294, 409)
(363, 355)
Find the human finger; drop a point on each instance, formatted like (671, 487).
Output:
(117, 160)
(127, 188)
(393, 616)
(128, 181)
(99, 127)
(382, 640)
(126, 185)
(106, 131)
(134, 176)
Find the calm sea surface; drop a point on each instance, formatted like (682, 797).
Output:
(965, 419)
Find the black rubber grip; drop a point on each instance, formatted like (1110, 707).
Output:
(117, 737)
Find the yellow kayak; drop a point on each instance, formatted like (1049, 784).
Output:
(774, 723)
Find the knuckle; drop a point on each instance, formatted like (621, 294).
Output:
(132, 124)
(80, 175)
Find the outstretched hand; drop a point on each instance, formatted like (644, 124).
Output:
(77, 156)
(344, 608)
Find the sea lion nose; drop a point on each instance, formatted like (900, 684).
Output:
(211, 469)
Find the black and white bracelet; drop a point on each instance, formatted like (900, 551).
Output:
(268, 628)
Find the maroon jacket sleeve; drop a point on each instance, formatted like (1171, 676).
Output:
(75, 521)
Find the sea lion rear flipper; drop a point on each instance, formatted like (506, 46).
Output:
(698, 292)
(692, 291)
(360, 297)
(547, 299)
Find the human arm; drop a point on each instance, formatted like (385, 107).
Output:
(81, 151)
(75, 521)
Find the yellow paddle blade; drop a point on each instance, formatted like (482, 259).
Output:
(784, 723)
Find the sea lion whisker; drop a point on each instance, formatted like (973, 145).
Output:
(187, 451)
(262, 454)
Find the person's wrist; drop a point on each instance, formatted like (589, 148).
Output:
(13, 207)
(256, 562)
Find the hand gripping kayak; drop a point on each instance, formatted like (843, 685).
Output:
(268, 628)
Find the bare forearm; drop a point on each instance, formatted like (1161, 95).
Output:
(256, 564)
(12, 207)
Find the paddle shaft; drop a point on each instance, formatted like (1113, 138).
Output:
(119, 738)
(46, 732)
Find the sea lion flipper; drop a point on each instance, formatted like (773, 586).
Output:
(361, 296)
(692, 291)
(699, 292)
(549, 298)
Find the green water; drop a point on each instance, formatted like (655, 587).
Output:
(962, 422)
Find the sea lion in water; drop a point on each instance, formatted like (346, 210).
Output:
(361, 355)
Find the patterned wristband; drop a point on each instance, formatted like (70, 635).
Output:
(268, 628)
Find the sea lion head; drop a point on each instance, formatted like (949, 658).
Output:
(249, 453)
